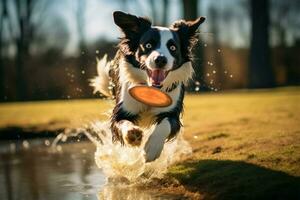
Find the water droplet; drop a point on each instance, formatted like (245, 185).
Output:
(214, 71)
(69, 97)
(97, 51)
(207, 74)
(82, 72)
(58, 148)
(84, 151)
(25, 144)
(197, 89)
(47, 142)
(64, 138)
(197, 83)
(211, 81)
(231, 75)
(12, 147)
(205, 45)
(195, 136)
(219, 50)
(225, 72)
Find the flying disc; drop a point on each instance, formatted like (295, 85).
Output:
(150, 96)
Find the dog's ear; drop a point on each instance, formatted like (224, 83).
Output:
(187, 32)
(194, 25)
(131, 24)
(189, 28)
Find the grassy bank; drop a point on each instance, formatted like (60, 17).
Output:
(246, 144)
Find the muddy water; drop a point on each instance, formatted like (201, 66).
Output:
(32, 170)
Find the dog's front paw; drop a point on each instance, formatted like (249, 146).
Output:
(153, 148)
(134, 137)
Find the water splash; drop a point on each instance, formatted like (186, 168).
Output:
(119, 161)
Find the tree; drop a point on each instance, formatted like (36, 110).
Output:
(284, 22)
(190, 12)
(214, 16)
(80, 24)
(165, 13)
(24, 17)
(260, 69)
(3, 18)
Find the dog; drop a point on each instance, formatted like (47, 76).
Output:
(156, 56)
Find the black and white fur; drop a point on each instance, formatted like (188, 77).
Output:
(155, 56)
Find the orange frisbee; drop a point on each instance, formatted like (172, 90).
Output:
(150, 96)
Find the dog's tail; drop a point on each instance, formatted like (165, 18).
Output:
(101, 83)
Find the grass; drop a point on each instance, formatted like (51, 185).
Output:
(246, 143)
(51, 115)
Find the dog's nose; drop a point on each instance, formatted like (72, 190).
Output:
(160, 61)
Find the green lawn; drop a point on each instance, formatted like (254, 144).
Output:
(246, 143)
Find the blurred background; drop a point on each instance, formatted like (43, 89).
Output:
(48, 48)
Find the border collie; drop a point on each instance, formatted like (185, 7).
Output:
(155, 56)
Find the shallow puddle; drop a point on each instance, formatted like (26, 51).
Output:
(31, 169)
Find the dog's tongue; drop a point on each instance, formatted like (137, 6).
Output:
(157, 76)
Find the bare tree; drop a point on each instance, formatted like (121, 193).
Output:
(190, 12)
(214, 16)
(153, 11)
(260, 69)
(80, 24)
(3, 18)
(24, 18)
(165, 12)
(285, 20)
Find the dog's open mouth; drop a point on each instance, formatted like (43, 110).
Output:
(157, 76)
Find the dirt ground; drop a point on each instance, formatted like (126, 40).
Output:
(246, 144)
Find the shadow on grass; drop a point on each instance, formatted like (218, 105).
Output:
(224, 179)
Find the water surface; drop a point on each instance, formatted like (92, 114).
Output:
(31, 169)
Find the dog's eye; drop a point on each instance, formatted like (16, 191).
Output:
(148, 46)
(172, 48)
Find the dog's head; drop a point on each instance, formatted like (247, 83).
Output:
(163, 54)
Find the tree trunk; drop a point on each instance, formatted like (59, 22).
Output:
(20, 54)
(83, 54)
(165, 13)
(190, 9)
(20, 81)
(218, 60)
(260, 70)
(3, 16)
(190, 12)
(1, 60)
